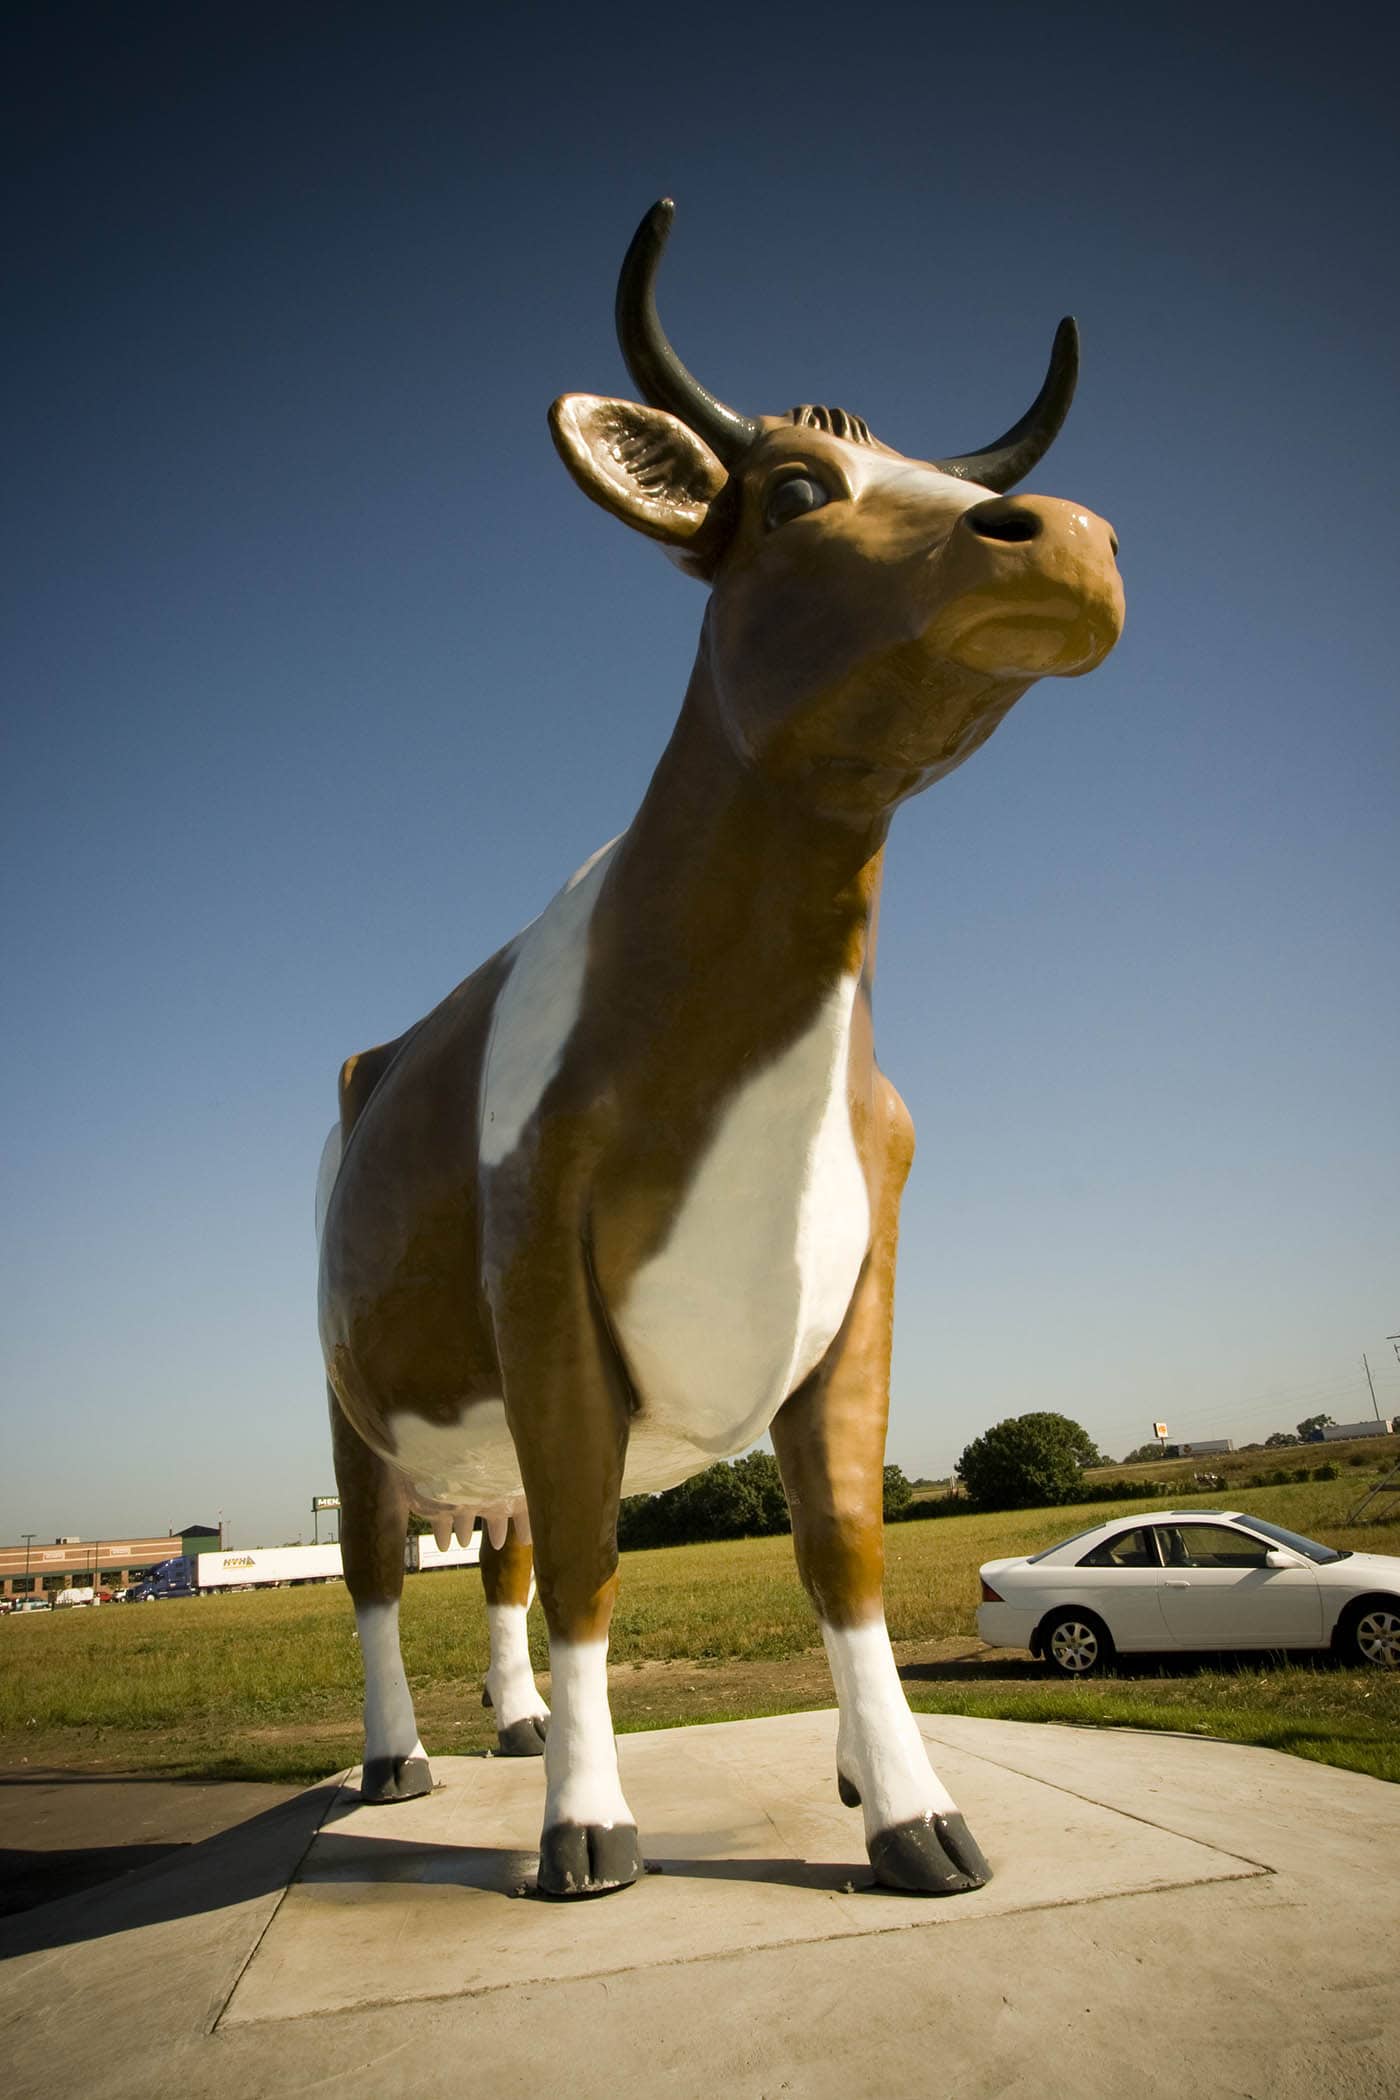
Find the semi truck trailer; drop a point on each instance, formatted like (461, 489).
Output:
(267, 1567)
(421, 1554)
(273, 1567)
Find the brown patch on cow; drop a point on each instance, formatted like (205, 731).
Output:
(403, 1319)
(505, 1570)
(373, 1514)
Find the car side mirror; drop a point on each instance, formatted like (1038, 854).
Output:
(1280, 1557)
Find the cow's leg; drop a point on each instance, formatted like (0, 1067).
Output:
(830, 1441)
(522, 1718)
(567, 1404)
(373, 1525)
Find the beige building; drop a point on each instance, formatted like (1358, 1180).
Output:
(41, 1567)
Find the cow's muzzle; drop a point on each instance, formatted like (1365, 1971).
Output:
(1030, 588)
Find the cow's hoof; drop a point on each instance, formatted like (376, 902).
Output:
(523, 1738)
(578, 1859)
(395, 1779)
(933, 1856)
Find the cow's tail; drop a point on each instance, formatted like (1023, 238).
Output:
(325, 1178)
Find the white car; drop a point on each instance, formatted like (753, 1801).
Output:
(1190, 1579)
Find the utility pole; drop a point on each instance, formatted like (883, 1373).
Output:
(1372, 1383)
(28, 1537)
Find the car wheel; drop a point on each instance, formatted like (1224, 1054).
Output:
(1371, 1634)
(1076, 1644)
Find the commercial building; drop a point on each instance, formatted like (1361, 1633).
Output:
(40, 1567)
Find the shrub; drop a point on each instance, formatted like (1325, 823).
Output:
(931, 1506)
(1027, 1462)
(1329, 1471)
(729, 1501)
(1125, 1490)
(898, 1493)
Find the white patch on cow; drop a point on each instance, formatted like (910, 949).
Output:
(656, 1461)
(325, 1178)
(536, 1010)
(580, 1755)
(917, 479)
(878, 1744)
(757, 1273)
(510, 1679)
(390, 1728)
(746, 1295)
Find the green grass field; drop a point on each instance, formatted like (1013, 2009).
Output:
(268, 1685)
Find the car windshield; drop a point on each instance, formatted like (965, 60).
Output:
(1072, 1540)
(1295, 1539)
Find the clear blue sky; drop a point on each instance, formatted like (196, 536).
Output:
(322, 676)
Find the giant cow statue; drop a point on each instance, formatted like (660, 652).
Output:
(628, 1198)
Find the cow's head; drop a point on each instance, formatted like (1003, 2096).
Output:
(872, 617)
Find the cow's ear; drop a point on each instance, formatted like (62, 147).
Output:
(644, 466)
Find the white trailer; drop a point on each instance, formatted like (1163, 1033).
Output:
(267, 1567)
(1337, 1432)
(424, 1552)
(270, 1567)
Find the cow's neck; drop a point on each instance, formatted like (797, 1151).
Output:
(729, 879)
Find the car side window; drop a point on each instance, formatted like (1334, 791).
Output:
(1130, 1549)
(1214, 1546)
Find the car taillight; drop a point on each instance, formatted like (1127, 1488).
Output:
(989, 1595)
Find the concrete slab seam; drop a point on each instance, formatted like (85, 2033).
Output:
(337, 1780)
(1260, 1866)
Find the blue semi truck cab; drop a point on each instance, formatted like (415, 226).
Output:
(169, 1578)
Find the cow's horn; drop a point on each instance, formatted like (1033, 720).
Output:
(653, 364)
(1010, 459)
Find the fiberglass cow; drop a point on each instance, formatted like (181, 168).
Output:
(628, 1198)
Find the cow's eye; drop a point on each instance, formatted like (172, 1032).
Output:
(793, 498)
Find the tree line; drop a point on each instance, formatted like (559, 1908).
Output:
(1028, 1461)
(736, 1499)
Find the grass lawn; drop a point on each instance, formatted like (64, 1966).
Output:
(267, 1685)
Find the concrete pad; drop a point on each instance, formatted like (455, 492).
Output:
(1276, 1985)
(748, 1848)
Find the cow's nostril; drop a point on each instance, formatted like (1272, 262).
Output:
(1000, 520)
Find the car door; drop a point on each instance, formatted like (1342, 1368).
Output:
(1218, 1590)
(1121, 1581)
